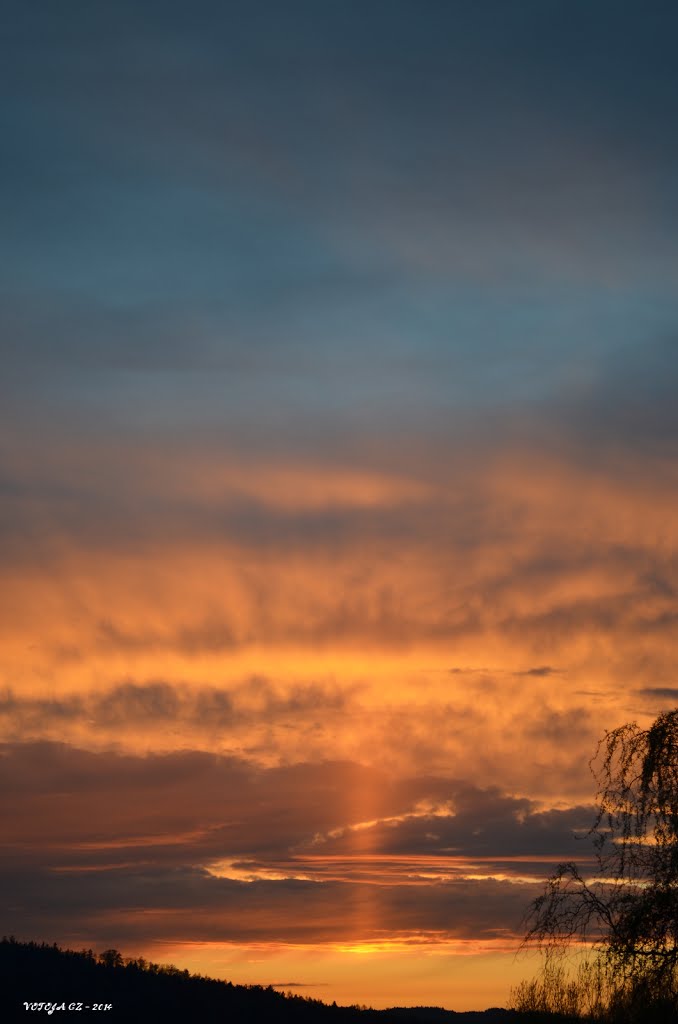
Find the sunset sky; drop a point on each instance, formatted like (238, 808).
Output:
(338, 479)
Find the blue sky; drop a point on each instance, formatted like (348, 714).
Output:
(365, 211)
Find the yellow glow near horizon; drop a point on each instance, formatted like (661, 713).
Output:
(414, 970)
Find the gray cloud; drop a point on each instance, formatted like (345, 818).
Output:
(539, 671)
(121, 849)
(159, 704)
(124, 907)
(662, 693)
(88, 809)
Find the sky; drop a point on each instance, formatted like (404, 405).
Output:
(338, 472)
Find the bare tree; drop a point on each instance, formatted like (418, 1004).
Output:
(626, 909)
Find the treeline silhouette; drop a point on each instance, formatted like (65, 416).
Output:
(71, 984)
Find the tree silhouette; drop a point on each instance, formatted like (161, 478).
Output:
(111, 958)
(627, 909)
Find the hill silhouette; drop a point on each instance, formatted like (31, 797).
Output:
(135, 990)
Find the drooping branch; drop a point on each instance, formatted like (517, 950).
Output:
(628, 908)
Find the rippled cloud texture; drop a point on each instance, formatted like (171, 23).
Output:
(337, 472)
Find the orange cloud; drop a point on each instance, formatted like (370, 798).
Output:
(354, 596)
(280, 685)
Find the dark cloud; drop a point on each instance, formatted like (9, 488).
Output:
(161, 704)
(126, 907)
(663, 693)
(539, 671)
(114, 888)
(297, 984)
(184, 791)
(219, 805)
(506, 834)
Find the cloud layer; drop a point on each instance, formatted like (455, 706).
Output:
(309, 853)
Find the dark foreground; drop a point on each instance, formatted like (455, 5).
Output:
(84, 985)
